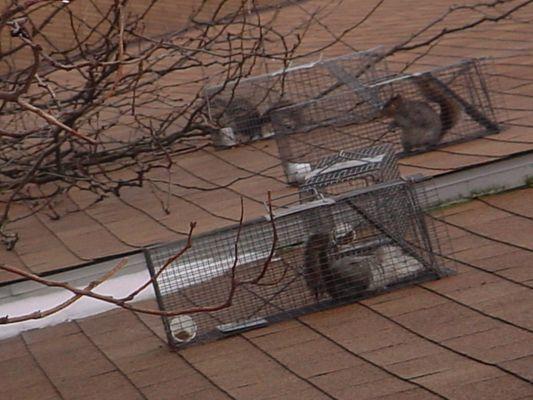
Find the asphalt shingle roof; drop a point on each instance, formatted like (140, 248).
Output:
(468, 336)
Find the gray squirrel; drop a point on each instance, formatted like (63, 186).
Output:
(420, 124)
(246, 120)
(341, 278)
(242, 116)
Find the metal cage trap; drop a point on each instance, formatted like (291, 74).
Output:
(242, 108)
(344, 171)
(413, 113)
(327, 252)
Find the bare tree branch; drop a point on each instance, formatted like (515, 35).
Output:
(53, 310)
(125, 302)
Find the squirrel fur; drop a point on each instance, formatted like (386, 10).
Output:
(340, 278)
(246, 120)
(420, 124)
(243, 117)
(291, 120)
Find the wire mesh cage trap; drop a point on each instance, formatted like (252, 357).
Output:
(413, 113)
(345, 171)
(242, 108)
(326, 252)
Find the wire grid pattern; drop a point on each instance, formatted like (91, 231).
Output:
(378, 235)
(348, 170)
(354, 119)
(245, 105)
(430, 202)
(330, 125)
(467, 83)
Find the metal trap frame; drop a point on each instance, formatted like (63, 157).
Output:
(344, 171)
(242, 108)
(357, 118)
(378, 234)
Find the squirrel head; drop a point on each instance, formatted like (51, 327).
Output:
(392, 105)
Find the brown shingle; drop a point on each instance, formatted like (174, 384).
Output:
(405, 351)
(177, 390)
(411, 394)
(412, 300)
(346, 379)
(38, 391)
(495, 345)
(521, 365)
(313, 358)
(372, 389)
(12, 348)
(515, 307)
(110, 385)
(493, 389)
(283, 335)
(21, 372)
(451, 380)
(77, 368)
(144, 358)
(446, 321)
(522, 273)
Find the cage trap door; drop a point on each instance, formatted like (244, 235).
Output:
(350, 169)
(392, 210)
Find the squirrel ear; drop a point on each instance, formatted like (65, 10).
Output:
(391, 101)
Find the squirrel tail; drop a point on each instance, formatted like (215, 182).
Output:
(450, 110)
(316, 261)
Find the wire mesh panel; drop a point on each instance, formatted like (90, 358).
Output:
(446, 105)
(331, 125)
(347, 170)
(243, 108)
(327, 252)
(413, 113)
(431, 204)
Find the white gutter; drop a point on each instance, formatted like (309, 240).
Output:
(493, 177)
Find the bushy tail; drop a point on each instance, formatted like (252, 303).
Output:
(315, 260)
(432, 90)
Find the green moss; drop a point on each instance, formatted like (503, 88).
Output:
(449, 204)
(471, 196)
(488, 191)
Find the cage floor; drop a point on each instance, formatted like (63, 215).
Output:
(288, 298)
